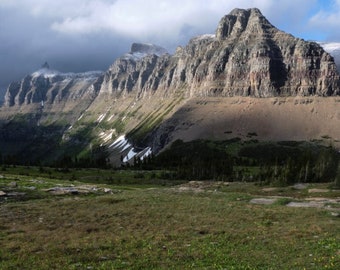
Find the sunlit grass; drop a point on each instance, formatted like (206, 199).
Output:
(165, 228)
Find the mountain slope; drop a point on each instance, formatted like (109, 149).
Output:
(249, 77)
(247, 118)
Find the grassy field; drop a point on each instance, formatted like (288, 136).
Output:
(156, 225)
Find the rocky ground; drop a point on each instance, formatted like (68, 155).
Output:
(312, 198)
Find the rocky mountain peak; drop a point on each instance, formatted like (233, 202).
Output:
(147, 48)
(45, 65)
(240, 20)
(140, 50)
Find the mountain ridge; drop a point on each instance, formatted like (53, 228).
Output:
(145, 94)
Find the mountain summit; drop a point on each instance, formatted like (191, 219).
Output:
(140, 50)
(246, 78)
(241, 20)
(45, 65)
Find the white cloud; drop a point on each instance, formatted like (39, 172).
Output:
(150, 18)
(327, 20)
(165, 20)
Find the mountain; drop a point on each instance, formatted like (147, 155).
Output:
(50, 86)
(246, 57)
(333, 48)
(247, 78)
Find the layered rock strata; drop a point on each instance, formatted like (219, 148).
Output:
(246, 57)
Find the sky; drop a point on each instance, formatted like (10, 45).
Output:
(83, 35)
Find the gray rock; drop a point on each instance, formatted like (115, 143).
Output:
(63, 190)
(306, 204)
(16, 194)
(31, 188)
(13, 184)
(2, 193)
(300, 186)
(263, 201)
(107, 190)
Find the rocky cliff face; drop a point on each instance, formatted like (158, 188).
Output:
(246, 57)
(51, 87)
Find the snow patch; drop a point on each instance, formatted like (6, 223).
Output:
(119, 142)
(122, 144)
(204, 37)
(101, 117)
(125, 147)
(50, 73)
(147, 152)
(111, 117)
(106, 136)
(46, 72)
(132, 153)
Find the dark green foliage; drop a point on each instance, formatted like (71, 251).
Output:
(269, 153)
(283, 163)
(196, 160)
(95, 160)
(286, 165)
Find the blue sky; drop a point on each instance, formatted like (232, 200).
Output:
(81, 35)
